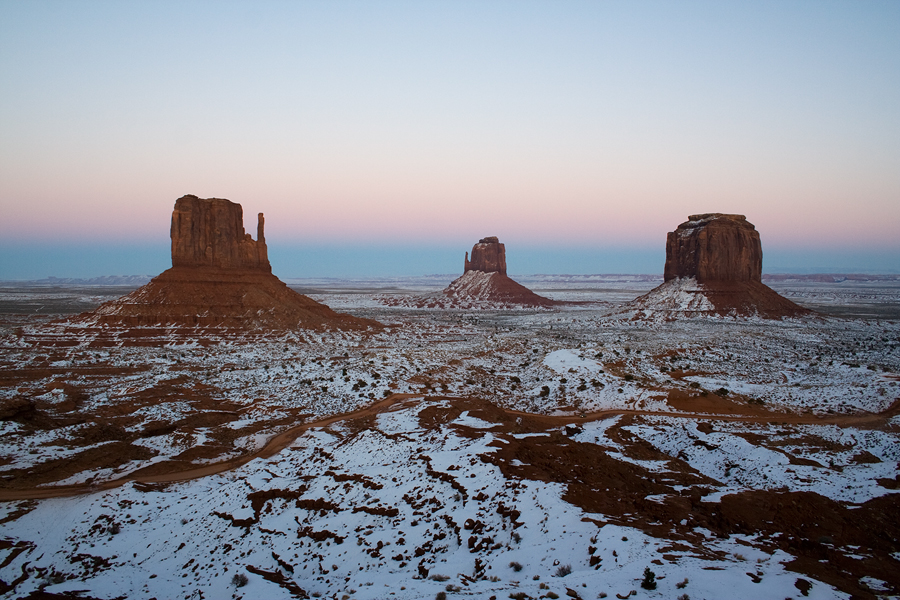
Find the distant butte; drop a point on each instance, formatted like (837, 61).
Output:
(483, 285)
(714, 266)
(484, 279)
(220, 277)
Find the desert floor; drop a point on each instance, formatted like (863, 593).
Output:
(478, 452)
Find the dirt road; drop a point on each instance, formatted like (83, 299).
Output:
(284, 439)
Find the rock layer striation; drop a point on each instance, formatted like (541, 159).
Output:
(488, 256)
(714, 247)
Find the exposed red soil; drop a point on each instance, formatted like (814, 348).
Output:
(749, 298)
(710, 404)
(818, 531)
(213, 297)
(217, 411)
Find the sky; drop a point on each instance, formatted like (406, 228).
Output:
(385, 138)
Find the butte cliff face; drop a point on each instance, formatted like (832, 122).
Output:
(488, 256)
(714, 247)
(220, 277)
(714, 266)
(210, 233)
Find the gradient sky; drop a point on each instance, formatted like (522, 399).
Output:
(585, 129)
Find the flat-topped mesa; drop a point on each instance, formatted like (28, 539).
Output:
(209, 232)
(488, 255)
(714, 247)
(714, 266)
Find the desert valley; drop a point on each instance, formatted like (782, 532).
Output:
(219, 433)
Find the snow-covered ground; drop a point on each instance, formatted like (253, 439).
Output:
(390, 509)
(788, 413)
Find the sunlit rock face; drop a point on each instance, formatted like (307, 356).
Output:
(488, 255)
(209, 232)
(714, 247)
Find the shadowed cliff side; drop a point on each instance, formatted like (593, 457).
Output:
(210, 233)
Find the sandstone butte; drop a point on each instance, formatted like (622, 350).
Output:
(717, 258)
(484, 279)
(220, 277)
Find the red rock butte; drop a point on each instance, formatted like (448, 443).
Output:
(488, 255)
(220, 277)
(484, 279)
(714, 247)
(714, 266)
(210, 233)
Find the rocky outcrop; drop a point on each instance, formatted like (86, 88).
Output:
(220, 277)
(483, 285)
(209, 232)
(488, 256)
(714, 267)
(485, 282)
(714, 247)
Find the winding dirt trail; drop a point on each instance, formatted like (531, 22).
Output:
(281, 441)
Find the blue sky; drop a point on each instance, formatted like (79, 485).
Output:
(577, 130)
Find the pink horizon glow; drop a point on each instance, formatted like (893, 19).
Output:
(335, 220)
(589, 124)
